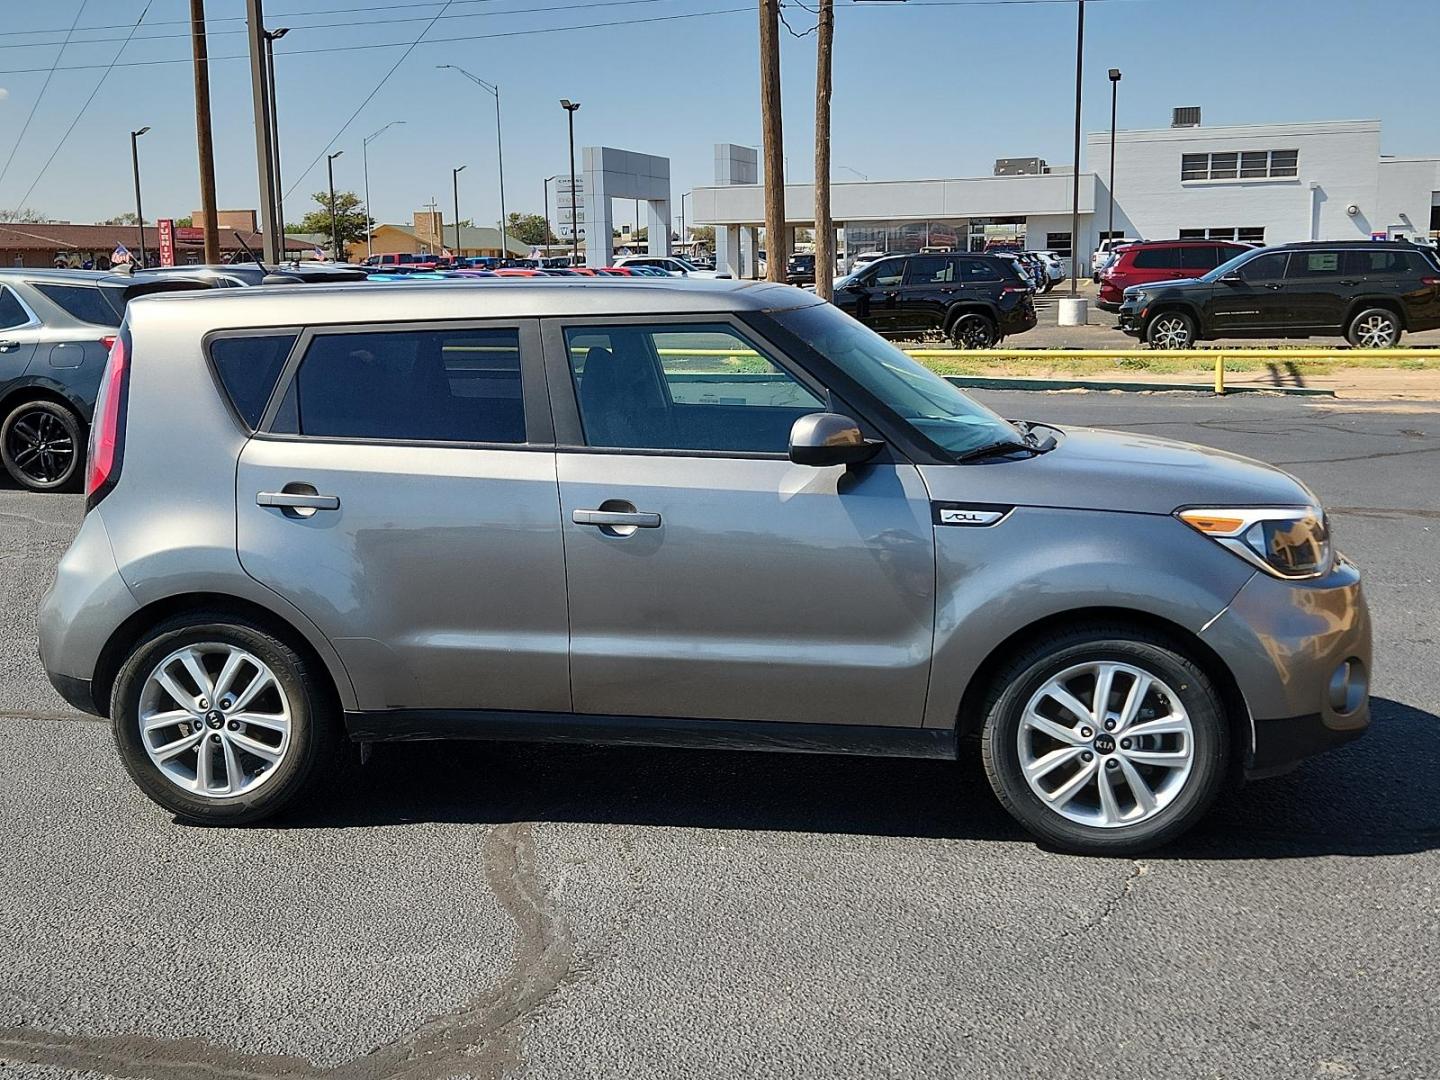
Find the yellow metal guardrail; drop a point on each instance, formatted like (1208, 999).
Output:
(1218, 356)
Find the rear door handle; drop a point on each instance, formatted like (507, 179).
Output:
(295, 501)
(636, 520)
(6, 346)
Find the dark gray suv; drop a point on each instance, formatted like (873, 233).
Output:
(56, 328)
(678, 513)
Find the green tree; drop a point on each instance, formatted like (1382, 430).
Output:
(127, 218)
(353, 224)
(186, 222)
(703, 234)
(23, 216)
(530, 229)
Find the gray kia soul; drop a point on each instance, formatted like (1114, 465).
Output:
(675, 513)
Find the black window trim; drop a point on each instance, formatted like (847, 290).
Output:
(539, 423)
(564, 395)
(32, 320)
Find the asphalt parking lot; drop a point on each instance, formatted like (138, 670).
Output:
(479, 911)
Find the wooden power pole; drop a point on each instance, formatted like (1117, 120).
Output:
(776, 237)
(824, 227)
(204, 137)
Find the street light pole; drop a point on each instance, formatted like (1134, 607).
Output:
(1075, 188)
(455, 181)
(365, 169)
(683, 196)
(570, 107)
(1114, 103)
(264, 146)
(494, 90)
(334, 221)
(135, 162)
(278, 226)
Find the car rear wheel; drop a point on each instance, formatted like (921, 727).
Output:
(1105, 741)
(974, 331)
(1374, 328)
(1171, 330)
(42, 446)
(219, 721)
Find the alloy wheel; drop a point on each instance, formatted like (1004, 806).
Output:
(40, 447)
(1375, 332)
(974, 332)
(1106, 744)
(214, 720)
(1170, 332)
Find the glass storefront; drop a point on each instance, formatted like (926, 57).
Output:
(958, 234)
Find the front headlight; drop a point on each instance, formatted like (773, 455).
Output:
(1287, 541)
(1137, 297)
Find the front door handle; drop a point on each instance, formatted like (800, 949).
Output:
(291, 500)
(635, 520)
(6, 346)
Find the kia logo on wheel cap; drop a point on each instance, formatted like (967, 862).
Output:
(1105, 744)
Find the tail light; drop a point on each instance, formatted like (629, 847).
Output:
(1014, 289)
(1431, 281)
(107, 432)
(108, 341)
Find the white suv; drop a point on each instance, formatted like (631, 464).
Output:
(675, 267)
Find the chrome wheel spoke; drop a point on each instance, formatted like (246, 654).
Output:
(1163, 725)
(1104, 681)
(235, 750)
(1169, 759)
(1056, 731)
(1069, 702)
(1052, 761)
(1144, 796)
(1072, 787)
(1139, 687)
(1109, 805)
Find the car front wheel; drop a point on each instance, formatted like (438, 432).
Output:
(1105, 741)
(974, 331)
(221, 722)
(1375, 328)
(1171, 330)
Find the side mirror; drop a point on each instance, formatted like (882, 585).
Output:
(822, 439)
(1232, 279)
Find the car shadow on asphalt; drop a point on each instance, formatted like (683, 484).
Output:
(1376, 796)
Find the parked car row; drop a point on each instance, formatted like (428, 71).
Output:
(697, 514)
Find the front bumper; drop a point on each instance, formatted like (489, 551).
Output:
(1131, 321)
(1300, 652)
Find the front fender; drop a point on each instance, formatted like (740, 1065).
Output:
(1040, 564)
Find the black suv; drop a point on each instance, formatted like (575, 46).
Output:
(974, 300)
(1369, 291)
(800, 270)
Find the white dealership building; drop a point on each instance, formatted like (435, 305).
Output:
(1263, 183)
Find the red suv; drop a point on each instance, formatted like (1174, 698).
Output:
(1161, 260)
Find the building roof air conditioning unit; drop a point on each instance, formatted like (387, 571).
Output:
(1186, 116)
(1027, 166)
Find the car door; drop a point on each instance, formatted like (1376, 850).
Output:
(403, 495)
(1317, 290)
(930, 287)
(710, 577)
(877, 303)
(19, 331)
(1251, 300)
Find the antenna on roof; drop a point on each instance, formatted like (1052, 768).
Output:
(253, 257)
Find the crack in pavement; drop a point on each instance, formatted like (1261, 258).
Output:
(482, 1038)
(1112, 904)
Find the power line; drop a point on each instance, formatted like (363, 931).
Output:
(386, 78)
(401, 44)
(40, 96)
(351, 24)
(101, 82)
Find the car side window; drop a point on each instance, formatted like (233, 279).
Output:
(12, 312)
(1375, 263)
(458, 385)
(1267, 267)
(930, 271)
(84, 302)
(888, 273)
(978, 270)
(683, 387)
(1157, 259)
(1202, 257)
(248, 368)
(1313, 265)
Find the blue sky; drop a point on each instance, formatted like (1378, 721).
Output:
(924, 88)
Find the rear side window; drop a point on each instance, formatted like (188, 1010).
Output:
(1310, 265)
(1157, 259)
(248, 368)
(1384, 262)
(928, 270)
(979, 270)
(410, 385)
(12, 313)
(1203, 257)
(90, 304)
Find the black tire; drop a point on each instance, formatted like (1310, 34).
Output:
(1170, 330)
(42, 445)
(316, 739)
(1374, 328)
(1011, 691)
(972, 330)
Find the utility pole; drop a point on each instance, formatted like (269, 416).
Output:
(264, 146)
(334, 220)
(139, 212)
(570, 107)
(272, 36)
(776, 240)
(824, 227)
(1075, 189)
(1114, 112)
(204, 137)
(455, 181)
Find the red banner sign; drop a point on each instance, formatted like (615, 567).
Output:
(166, 227)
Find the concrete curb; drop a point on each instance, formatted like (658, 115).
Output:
(979, 382)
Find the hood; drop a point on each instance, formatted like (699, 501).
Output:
(1092, 469)
(1170, 284)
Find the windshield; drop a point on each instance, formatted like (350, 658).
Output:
(955, 423)
(1233, 265)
